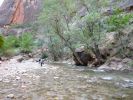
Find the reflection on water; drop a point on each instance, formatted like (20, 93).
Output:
(66, 82)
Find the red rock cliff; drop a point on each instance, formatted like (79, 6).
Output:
(19, 11)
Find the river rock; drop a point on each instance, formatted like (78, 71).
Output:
(127, 60)
(84, 56)
(1, 79)
(0, 62)
(99, 70)
(108, 78)
(117, 65)
(6, 80)
(11, 96)
(119, 96)
(18, 78)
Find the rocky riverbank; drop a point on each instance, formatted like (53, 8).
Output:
(28, 80)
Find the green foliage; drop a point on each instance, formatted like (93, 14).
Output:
(10, 42)
(60, 19)
(44, 55)
(53, 9)
(130, 64)
(117, 22)
(1, 41)
(12, 45)
(55, 47)
(93, 16)
(57, 20)
(26, 42)
(117, 11)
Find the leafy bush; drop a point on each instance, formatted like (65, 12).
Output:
(44, 55)
(116, 22)
(26, 42)
(1, 41)
(55, 47)
(130, 64)
(60, 18)
(9, 43)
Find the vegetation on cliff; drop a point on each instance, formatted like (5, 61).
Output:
(66, 25)
(72, 24)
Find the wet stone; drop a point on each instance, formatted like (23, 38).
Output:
(129, 81)
(97, 97)
(18, 78)
(6, 80)
(92, 80)
(23, 86)
(107, 78)
(11, 96)
(124, 85)
(120, 96)
(130, 85)
(56, 77)
(99, 70)
(1, 79)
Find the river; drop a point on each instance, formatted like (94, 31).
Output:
(58, 81)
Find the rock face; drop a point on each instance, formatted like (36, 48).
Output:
(19, 11)
(126, 5)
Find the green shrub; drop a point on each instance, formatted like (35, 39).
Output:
(1, 41)
(55, 47)
(116, 22)
(44, 55)
(12, 45)
(130, 64)
(8, 45)
(12, 42)
(26, 42)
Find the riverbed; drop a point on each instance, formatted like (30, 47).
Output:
(59, 81)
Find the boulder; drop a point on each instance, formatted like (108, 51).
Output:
(117, 64)
(126, 5)
(84, 56)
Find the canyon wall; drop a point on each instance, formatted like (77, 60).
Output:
(19, 11)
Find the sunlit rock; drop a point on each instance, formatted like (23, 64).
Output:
(108, 78)
(11, 96)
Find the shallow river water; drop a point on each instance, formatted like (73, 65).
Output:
(66, 82)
